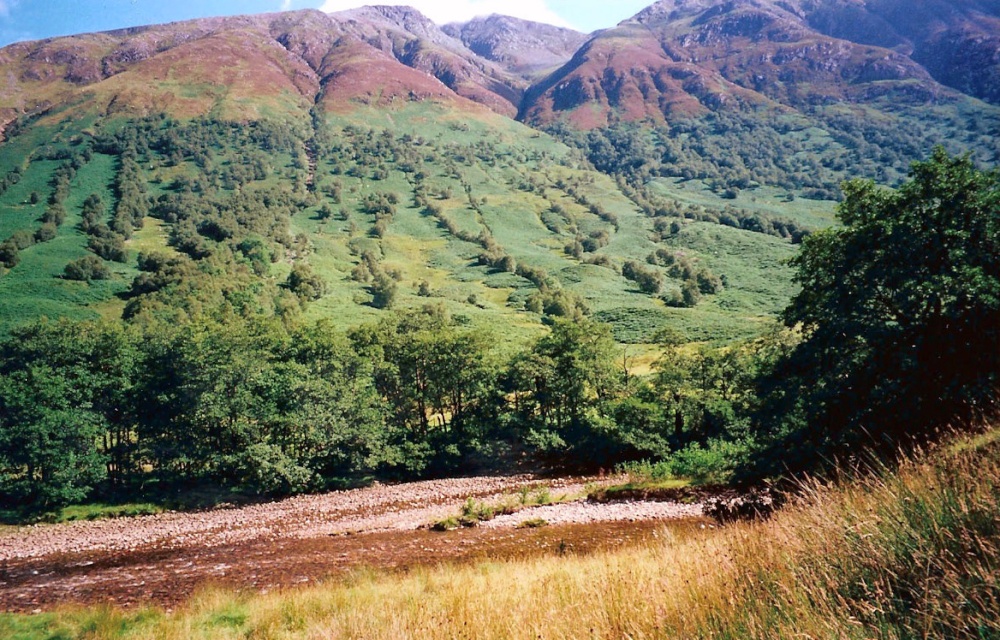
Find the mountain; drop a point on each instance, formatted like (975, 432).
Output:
(337, 165)
(680, 57)
(522, 47)
(745, 92)
(958, 42)
(242, 67)
(418, 43)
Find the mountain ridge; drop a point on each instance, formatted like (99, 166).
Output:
(688, 56)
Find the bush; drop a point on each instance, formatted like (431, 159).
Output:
(86, 269)
(649, 281)
(304, 283)
(10, 255)
(267, 470)
(383, 290)
(45, 232)
(713, 463)
(110, 247)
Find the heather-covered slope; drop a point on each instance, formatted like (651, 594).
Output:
(958, 42)
(688, 58)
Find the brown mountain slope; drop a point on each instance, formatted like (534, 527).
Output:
(688, 56)
(244, 68)
(625, 73)
(957, 41)
(415, 41)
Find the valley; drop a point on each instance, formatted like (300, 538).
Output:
(296, 306)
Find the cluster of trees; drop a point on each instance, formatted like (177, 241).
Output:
(737, 151)
(257, 405)
(381, 281)
(383, 207)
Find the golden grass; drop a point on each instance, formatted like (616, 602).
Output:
(911, 554)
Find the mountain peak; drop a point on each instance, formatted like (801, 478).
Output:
(676, 10)
(522, 46)
(401, 17)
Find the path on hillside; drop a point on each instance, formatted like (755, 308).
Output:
(163, 558)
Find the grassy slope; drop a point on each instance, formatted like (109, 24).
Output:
(521, 220)
(34, 288)
(914, 553)
(421, 250)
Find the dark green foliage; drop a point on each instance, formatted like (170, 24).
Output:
(707, 394)
(46, 232)
(244, 406)
(557, 303)
(708, 282)
(10, 254)
(55, 214)
(566, 393)
(383, 290)
(259, 252)
(86, 269)
(439, 382)
(46, 451)
(50, 417)
(254, 405)
(22, 239)
(109, 246)
(680, 267)
(649, 281)
(690, 293)
(900, 310)
(304, 283)
(92, 214)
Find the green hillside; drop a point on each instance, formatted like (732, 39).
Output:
(502, 224)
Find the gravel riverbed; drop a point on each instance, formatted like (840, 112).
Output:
(163, 558)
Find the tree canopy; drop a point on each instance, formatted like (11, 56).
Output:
(900, 313)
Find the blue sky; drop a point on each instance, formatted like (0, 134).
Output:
(35, 19)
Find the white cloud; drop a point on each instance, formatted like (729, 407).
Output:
(443, 12)
(286, 5)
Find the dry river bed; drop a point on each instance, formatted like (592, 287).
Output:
(162, 559)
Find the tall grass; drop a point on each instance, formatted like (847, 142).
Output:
(909, 554)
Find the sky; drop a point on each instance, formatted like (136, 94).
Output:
(36, 19)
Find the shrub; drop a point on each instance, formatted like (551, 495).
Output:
(86, 269)
(10, 255)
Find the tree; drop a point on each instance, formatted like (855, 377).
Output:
(48, 436)
(563, 387)
(383, 290)
(304, 283)
(438, 380)
(900, 310)
(9, 254)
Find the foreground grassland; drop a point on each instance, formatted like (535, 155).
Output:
(914, 553)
